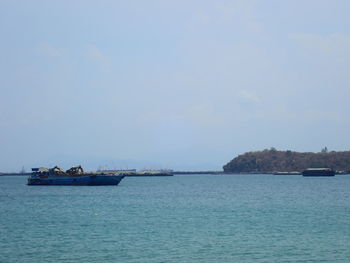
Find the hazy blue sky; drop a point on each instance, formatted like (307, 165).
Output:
(170, 84)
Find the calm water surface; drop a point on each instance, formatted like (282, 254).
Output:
(207, 218)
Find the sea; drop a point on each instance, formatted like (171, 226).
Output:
(184, 218)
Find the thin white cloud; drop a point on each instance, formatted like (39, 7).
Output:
(50, 50)
(249, 96)
(321, 115)
(227, 13)
(93, 52)
(204, 114)
(242, 11)
(329, 44)
(282, 113)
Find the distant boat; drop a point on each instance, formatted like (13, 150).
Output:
(150, 173)
(133, 172)
(73, 176)
(319, 172)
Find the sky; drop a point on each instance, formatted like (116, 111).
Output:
(184, 85)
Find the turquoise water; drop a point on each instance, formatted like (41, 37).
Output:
(192, 218)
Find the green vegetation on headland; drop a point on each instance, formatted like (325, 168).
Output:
(271, 161)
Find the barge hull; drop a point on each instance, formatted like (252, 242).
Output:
(319, 172)
(89, 180)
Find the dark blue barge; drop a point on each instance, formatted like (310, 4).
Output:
(319, 172)
(73, 176)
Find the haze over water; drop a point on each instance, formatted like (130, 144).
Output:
(207, 218)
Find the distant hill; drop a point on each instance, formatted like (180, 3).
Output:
(270, 161)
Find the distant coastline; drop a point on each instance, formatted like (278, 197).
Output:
(193, 173)
(268, 161)
(273, 161)
(14, 174)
